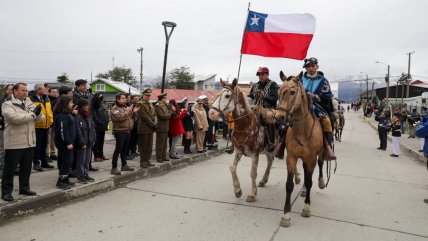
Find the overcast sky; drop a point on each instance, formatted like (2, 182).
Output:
(41, 39)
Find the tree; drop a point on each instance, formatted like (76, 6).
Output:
(181, 78)
(120, 74)
(63, 78)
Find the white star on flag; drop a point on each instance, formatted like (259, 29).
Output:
(255, 20)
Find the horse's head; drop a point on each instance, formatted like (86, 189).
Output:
(291, 96)
(225, 102)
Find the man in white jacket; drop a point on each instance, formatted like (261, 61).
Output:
(20, 116)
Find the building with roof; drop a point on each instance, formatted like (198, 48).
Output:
(206, 82)
(110, 88)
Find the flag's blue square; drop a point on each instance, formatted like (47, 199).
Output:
(256, 22)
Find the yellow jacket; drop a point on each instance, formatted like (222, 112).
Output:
(46, 111)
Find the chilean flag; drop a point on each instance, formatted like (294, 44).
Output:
(281, 35)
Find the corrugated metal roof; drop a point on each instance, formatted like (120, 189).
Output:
(203, 77)
(124, 87)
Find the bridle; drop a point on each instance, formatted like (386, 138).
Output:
(233, 97)
(290, 111)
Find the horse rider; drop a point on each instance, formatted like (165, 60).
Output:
(266, 91)
(318, 89)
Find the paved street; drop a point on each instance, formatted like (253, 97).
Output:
(372, 196)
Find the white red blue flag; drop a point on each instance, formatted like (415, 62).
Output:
(278, 35)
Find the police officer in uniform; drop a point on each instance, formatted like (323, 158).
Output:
(146, 127)
(268, 91)
(164, 115)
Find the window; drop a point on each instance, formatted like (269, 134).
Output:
(100, 87)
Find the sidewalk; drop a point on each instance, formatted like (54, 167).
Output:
(411, 145)
(49, 196)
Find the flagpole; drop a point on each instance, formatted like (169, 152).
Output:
(242, 43)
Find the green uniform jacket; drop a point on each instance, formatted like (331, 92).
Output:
(146, 118)
(164, 115)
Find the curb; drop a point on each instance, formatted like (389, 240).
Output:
(34, 205)
(417, 155)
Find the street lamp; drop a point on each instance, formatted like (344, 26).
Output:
(387, 82)
(367, 83)
(140, 50)
(166, 25)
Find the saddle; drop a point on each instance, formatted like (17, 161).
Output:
(267, 115)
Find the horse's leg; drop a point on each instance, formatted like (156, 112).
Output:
(321, 182)
(252, 196)
(291, 168)
(236, 185)
(297, 175)
(309, 170)
(265, 178)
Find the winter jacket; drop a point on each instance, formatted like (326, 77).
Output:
(187, 121)
(201, 123)
(100, 118)
(396, 128)
(270, 89)
(319, 86)
(164, 116)
(146, 118)
(175, 125)
(65, 130)
(77, 96)
(19, 132)
(122, 119)
(2, 100)
(85, 134)
(46, 106)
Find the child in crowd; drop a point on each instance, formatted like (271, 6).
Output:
(396, 134)
(65, 137)
(85, 140)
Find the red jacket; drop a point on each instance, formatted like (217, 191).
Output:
(175, 124)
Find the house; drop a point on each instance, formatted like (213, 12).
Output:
(206, 82)
(110, 88)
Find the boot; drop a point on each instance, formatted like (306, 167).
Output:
(230, 149)
(328, 150)
(61, 184)
(270, 129)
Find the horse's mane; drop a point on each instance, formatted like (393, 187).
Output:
(246, 103)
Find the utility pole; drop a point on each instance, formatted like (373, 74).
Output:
(367, 93)
(387, 88)
(140, 50)
(408, 74)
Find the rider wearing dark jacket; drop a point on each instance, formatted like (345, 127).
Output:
(267, 90)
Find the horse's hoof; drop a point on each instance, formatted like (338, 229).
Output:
(321, 183)
(297, 180)
(261, 184)
(303, 193)
(238, 194)
(251, 199)
(306, 212)
(285, 220)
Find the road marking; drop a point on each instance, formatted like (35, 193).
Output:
(276, 209)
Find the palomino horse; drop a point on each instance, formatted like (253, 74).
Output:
(304, 139)
(248, 135)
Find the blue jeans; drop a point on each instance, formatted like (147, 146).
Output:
(83, 158)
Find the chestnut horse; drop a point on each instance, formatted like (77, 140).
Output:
(304, 139)
(248, 135)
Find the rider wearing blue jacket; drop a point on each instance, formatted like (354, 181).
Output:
(318, 89)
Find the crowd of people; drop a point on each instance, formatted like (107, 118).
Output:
(69, 125)
(397, 123)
